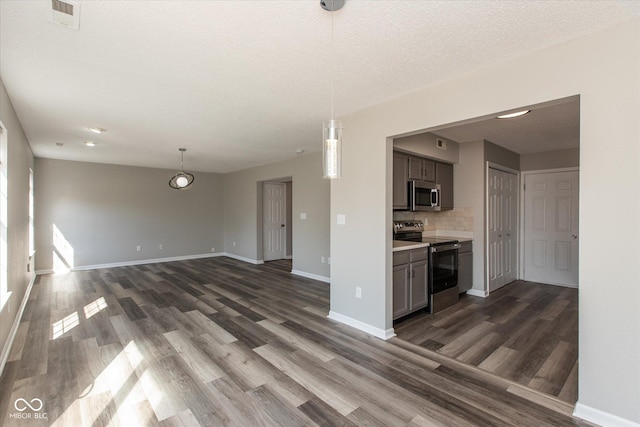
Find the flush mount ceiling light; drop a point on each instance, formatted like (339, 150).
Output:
(97, 130)
(182, 180)
(332, 129)
(90, 143)
(516, 114)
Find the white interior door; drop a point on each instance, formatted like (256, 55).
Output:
(503, 228)
(274, 220)
(551, 228)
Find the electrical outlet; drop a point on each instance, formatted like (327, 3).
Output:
(322, 259)
(139, 248)
(234, 243)
(358, 292)
(213, 249)
(161, 246)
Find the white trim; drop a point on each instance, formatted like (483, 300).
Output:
(155, 261)
(365, 327)
(145, 261)
(241, 258)
(477, 293)
(16, 324)
(311, 276)
(289, 257)
(601, 418)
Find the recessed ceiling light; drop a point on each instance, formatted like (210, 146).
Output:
(59, 144)
(97, 130)
(512, 115)
(299, 151)
(90, 143)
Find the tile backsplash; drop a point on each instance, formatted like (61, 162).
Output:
(458, 219)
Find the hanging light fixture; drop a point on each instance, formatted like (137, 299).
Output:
(182, 180)
(332, 129)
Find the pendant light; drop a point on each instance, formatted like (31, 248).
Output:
(182, 180)
(332, 129)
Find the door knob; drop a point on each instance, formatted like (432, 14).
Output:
(574, 236)
(281, 225)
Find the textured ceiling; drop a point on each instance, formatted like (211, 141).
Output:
(544, 128)
(244, 83)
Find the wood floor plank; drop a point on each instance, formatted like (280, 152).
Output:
(518, 329)
(216, 342)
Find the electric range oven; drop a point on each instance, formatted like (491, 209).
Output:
(443, 263)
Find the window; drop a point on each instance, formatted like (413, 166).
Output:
(32, 247)
(4, 291)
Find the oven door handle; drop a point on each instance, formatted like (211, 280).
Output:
(443, 248)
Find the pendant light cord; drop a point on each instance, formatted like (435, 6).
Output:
(332, 58)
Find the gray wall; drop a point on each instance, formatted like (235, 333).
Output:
(495, 154)
(609, 373)
(550, 160)
(17, 160)
(425, 145)
(310, 195)
(469, 192)
(106, 211)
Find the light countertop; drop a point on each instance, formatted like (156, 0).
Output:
(399, 245)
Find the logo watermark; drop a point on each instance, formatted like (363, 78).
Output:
(28, 409)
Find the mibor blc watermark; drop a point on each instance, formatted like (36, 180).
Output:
(28, 409)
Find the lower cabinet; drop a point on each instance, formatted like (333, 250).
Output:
(465, 266)
(410, 281)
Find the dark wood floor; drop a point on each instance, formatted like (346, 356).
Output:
(220, 342)
(526, 332)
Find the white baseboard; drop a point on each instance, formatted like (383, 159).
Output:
(4, 356)
(311, 276)
(241, 258)
(477, 293)
(601, 418)
(136, 262)
(365, 327)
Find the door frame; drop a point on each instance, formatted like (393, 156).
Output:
(492, 165)
(288, 246)
(524, 174)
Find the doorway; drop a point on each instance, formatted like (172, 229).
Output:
(276, 220)
(502, 227)
(550, 227)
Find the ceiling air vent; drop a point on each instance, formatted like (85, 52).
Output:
(66, 13)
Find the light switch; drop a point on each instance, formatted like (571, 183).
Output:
(342, 219)
(303, 215)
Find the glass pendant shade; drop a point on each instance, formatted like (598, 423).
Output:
(332, 149)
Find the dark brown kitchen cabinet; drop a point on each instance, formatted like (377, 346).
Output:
(465, 266)
(410, 281)
(400, 181)
(444, 177)
(422, 169)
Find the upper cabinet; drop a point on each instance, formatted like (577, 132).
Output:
(444, 177)
(408, 167)
(400, 181)
(422, 169)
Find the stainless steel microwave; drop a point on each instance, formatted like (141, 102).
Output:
(424, 196)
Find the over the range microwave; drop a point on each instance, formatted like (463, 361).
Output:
(424, 196)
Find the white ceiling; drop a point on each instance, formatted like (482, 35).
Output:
(244, 83)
